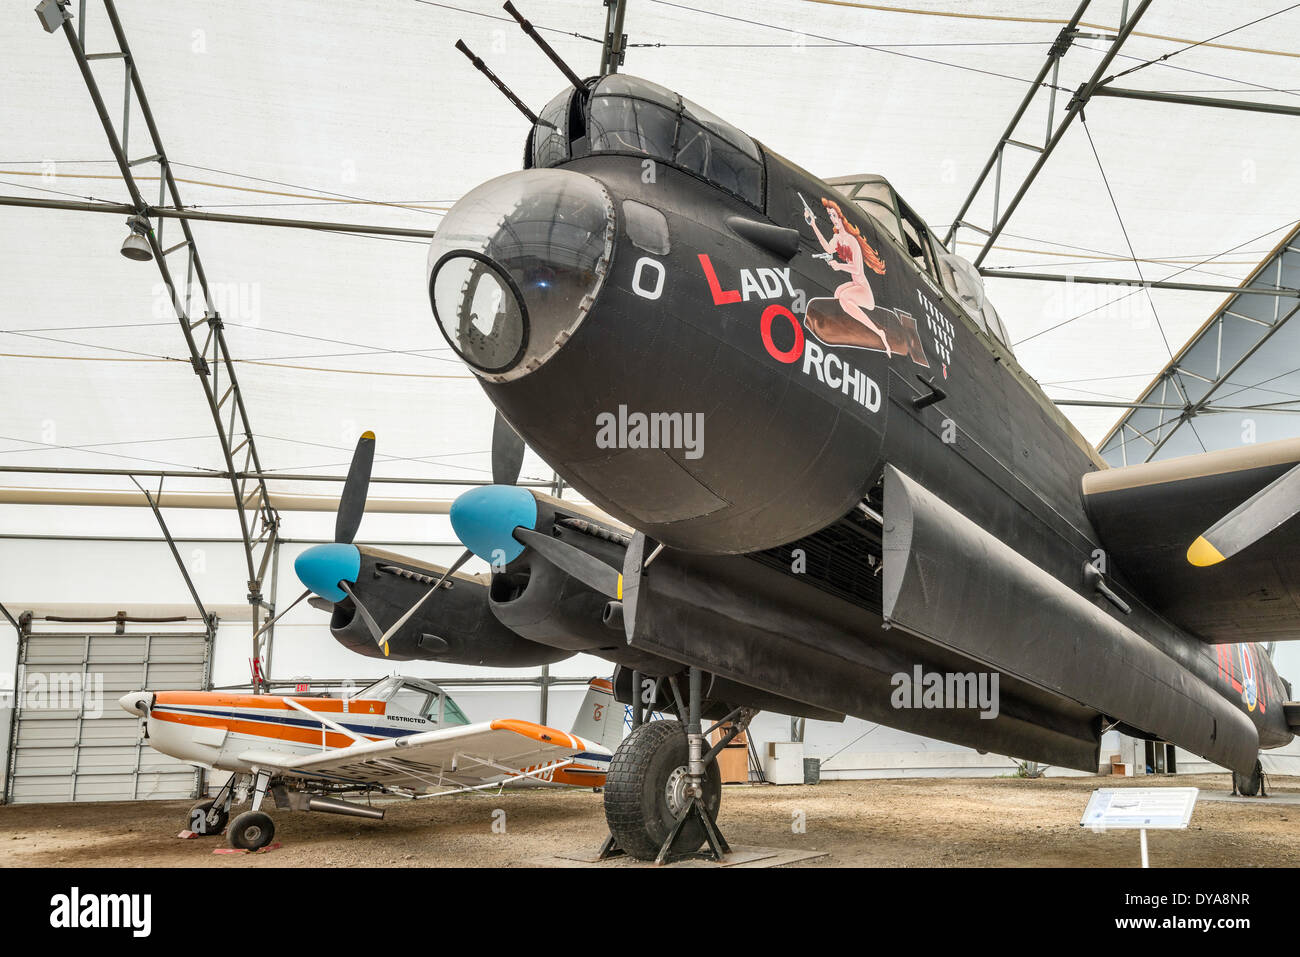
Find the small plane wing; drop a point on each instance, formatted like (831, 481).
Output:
(464, 756)
(1149, 517)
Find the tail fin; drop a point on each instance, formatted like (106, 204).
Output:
(600, 717)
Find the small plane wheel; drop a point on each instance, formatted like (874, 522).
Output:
(207, 818)
(643, 791)
(251, 830)
(1249, 784)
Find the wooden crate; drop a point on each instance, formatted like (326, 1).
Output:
(733, 760)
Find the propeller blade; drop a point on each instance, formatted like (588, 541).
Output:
(367, 619)
(589, 570)
(352, 503)
(507, 452)
(283, 613)
(397, 626)
(1250, 521)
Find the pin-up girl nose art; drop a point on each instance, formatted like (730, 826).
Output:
(851, 317)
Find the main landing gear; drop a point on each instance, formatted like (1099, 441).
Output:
(249, 831)
(254, 829)
(663, 787)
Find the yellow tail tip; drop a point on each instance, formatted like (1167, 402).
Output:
(385, 649)
(368, 435)
(1202, 553)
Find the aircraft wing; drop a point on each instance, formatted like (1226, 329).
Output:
(463, 756)
(1149, 516)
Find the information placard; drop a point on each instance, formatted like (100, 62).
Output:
(1140, 808)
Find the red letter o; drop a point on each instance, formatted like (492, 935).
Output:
(797, 349)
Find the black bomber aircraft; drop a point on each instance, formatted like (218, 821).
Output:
(825, 469)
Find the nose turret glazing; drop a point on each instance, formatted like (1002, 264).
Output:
(516, 265)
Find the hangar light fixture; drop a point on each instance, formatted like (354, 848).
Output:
(136, 245)
(52, 13)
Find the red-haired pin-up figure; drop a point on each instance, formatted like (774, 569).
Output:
(848, 252)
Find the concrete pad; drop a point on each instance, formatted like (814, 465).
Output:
(1280, 799)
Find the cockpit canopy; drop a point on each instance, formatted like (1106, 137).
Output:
(414, 696)
(624, 115)
(961, 280)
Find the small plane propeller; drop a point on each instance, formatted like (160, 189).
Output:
(352, 503)
(1250, 521)
(507, 452)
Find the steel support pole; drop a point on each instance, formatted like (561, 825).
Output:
(226, 476)
(1053, 60)
(1189, 100)
(192, 215)
(1076, 106)
(208, 373)
(1285, 293)
(171, 544)
(614, 49)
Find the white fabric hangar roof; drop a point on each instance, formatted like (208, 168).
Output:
(363, 112)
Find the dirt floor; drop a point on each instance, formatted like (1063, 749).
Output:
(971, 822)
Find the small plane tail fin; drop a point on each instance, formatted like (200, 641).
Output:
(600, 717)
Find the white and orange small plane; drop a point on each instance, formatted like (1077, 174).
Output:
(399, 735)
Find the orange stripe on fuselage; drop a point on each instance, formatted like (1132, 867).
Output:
(268, 702)
(259, 729)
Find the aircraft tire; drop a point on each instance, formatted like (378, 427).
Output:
(251, 831)
(638, 807)
(1249, 785)
(201, 819)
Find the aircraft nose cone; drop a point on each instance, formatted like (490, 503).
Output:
(136, 703)
(485, 518)
(322, 567)
(517, 264)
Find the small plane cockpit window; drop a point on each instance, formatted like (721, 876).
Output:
(451, 713)
(410, 699)
(629, 115)
(376, 690)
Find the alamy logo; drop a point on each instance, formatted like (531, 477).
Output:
(654, 430)
(933, 689)
(55, 691)
(75, 909)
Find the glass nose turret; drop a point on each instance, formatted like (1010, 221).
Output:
(517, 264)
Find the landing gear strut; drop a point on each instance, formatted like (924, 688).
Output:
(663, 788)
(208, 818)
(253, 830)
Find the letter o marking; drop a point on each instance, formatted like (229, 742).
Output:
(795, 351)
(638, 284)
